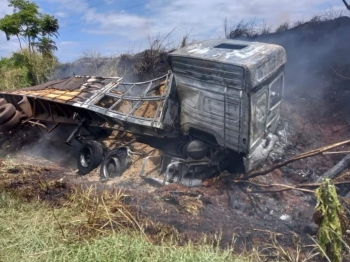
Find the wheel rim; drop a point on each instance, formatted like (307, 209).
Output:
(86, 157)
(111, 168)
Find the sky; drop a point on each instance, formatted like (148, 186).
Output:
(112, 27)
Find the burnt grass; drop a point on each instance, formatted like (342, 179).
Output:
(171, 212)
(120, 209)
(30, 182)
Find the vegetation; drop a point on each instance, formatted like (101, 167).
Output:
(47, 220)
(12, 75)
(34, 32)
(15, 71)
(250, 29)
(328, 211)
(245, 29)
(43, 218)
(282, 27)
(33, 232)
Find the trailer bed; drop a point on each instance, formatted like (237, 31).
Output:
(143, 107)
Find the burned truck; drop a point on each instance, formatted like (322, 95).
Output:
(217, 109)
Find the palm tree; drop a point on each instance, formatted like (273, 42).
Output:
(46, 46)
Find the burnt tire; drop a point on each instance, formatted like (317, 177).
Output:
(7, 111)
(114, 164)
(3, 101)
(11, 123)
(90, 157)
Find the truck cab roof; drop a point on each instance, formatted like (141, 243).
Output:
(260, 59)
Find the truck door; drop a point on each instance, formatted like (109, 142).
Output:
(266, 108)
(275, 99)
(259, 112)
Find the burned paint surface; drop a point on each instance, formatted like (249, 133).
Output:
(259, 60)
(220, 83)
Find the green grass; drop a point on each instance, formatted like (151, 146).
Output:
(33, 231)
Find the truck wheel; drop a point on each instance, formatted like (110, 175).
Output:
(90, 157)
(6, 112)
(114, 164)
(110, 168)
(11, 123)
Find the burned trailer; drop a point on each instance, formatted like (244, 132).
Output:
(104, 102)
(217, 109)
(95, 106)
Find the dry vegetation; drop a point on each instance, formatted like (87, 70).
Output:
(133, 66)
(251, 29)
(71, 224)
(46, 219)
(35, 232)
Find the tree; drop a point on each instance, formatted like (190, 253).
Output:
(33, 29)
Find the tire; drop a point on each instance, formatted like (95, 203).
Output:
(90, 157)
(114, 164)
(7, 111)
(11, 123)
(111, 167)
(2, 101)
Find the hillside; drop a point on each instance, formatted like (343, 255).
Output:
(145, 65)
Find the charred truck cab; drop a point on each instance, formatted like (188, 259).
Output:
(230, 93)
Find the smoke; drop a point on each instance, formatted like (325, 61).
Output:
(282, 18)
(41, 148)
(317, 94)
(315, 51)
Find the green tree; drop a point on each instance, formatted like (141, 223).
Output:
(33, 29)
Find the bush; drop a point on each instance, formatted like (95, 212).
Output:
(20, 71)
(282, 27)
(245, 29)
(13, 78)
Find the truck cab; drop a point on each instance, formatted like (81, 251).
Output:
(231, 91)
